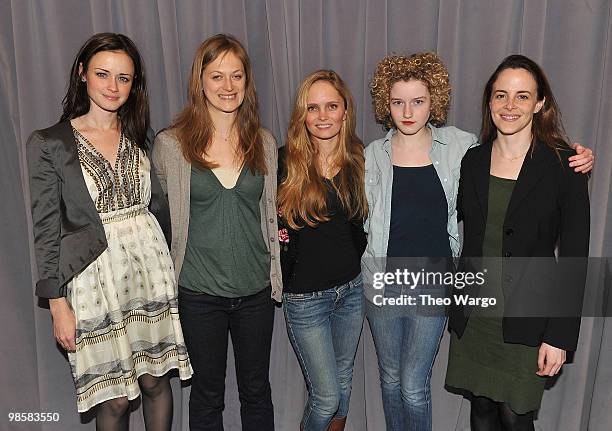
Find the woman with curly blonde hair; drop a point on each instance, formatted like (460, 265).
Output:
(322, 202)
(412, 179)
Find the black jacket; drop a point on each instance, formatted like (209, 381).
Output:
(549, 207)
(68, 232)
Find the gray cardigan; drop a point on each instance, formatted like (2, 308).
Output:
(174, 173)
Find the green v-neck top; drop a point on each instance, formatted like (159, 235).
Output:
(225, 253)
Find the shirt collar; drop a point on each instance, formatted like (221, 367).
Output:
(435, 136)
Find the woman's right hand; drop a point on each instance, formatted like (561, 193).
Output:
(64, 323)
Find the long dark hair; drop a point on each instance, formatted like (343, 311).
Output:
(134, 113)
(194, 127)
(547, 126)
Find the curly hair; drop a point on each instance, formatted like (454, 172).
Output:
(425, 67)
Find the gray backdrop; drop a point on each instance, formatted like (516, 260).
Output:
(286, 40)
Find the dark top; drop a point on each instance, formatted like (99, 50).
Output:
(419, 214)
(326, 255)
(500, 192)
(225, 254)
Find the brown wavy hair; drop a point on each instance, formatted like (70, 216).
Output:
(301, 195)
(134, 113)
(546, 126)
(425, 67)
(194, 127)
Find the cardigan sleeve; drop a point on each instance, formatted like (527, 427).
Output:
(45, 192)
(158, 158)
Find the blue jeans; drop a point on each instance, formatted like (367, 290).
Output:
(324, 329)
(207, 320)
(406, 345)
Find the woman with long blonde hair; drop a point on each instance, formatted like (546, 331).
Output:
(218, 167)
(322, 202)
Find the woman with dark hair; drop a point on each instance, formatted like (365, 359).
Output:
(102, 259)
(412, 181)
(322, 202)
(218, 168)
(518, 200)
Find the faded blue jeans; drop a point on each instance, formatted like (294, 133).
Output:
(406, 342)
(324, 328)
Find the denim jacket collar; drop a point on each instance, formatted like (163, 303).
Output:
(435, 137)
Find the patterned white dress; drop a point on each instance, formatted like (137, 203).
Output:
(125, 302)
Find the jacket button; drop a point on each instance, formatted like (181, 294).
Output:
(508, 254)
(272, 239)
(271, 220)
(509, 231)
(273, 257)
(509, 278)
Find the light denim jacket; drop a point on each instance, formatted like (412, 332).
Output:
(449, 145)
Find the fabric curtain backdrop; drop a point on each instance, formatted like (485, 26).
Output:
(286, 40)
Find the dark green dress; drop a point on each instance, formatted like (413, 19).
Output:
(480, 362)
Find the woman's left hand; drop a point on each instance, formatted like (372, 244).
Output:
(584, 160)
(550, 360)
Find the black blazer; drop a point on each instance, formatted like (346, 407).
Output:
(549, 207)
(68, 232)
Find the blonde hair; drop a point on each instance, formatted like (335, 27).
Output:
(425, 67)
(194, 127)
(301, 195)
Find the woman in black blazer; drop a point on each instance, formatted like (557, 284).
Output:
(102, 259)
(514, 198)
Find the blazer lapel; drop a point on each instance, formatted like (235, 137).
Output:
(530, 174)
(72, 172)
(480, 172)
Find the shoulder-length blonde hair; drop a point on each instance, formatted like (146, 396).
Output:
(301, 195)
(194, 127)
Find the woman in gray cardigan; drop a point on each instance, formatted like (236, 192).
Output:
(218, 167)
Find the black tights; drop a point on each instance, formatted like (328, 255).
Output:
(113, 415)
(489, 415)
